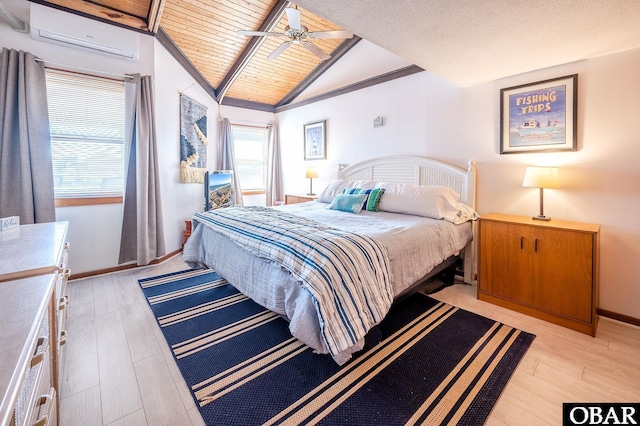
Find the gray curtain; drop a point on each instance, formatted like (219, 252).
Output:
(275, 187)
(142, 237)
(227, 159)
(26, 169)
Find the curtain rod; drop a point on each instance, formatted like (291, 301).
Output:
(88, 71)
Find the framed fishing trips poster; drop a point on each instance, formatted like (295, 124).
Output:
(539, 117)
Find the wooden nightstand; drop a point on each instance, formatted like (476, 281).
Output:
(548, 270)
(186, 233)
(298, 198)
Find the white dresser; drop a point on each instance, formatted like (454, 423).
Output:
(33, 301)
(28, 351)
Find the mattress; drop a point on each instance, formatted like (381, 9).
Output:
(415, 246)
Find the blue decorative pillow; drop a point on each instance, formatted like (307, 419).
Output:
(352, 203)
(373, 197)
(355, 191)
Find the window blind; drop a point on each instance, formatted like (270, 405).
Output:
(86, 115)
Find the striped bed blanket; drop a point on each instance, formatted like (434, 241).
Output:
(346, 274)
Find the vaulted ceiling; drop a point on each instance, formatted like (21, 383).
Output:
(202, 34)
(464, 41)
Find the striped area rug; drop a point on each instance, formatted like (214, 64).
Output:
(426, 363)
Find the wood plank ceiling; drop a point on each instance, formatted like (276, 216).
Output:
(203, 35)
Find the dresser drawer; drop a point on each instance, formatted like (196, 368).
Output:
(46, 413)
(37, 382)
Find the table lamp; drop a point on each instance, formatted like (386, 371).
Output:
(541, 177)
(310, 174)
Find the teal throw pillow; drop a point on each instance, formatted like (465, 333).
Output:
(373, 197)
(352, 203)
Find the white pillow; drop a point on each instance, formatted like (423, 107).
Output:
(333, 189)
(437, 202)
(336, 187)
(364, 184)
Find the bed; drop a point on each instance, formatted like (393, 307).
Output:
(396, 251)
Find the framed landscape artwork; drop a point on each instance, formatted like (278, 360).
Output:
(539, 117)
(315, 141)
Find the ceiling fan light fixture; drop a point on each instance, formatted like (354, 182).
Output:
(300, 35)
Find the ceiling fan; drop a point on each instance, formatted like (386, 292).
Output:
(296, 33)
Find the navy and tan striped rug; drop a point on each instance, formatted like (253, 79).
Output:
(426, 363)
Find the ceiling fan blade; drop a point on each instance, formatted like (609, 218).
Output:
(278, 50)
(330, 34)
(258, 33)
(315, 50)
(293, 16)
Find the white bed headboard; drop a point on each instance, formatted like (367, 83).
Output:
(416, 170)
(422, 171)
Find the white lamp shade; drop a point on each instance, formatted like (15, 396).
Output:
(311, 173)
(541, 177)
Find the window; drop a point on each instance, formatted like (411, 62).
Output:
(250, 145)
(86, 116)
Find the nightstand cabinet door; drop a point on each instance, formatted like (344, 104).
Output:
(562, 272)
(545, 269)
(505, 263)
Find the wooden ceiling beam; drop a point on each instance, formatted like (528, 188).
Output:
(243, 103)
(155, 13)
(339, 51)
(379, 79)
(175, 51)
(272, 19)
(99, 12)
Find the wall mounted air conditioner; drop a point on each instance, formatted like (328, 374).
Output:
(66, 29)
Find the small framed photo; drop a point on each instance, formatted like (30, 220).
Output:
(539, 117)
(315, 141)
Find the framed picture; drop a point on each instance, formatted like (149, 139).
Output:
(539, 117)
(315, 141)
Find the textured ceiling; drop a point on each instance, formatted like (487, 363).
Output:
(475, 41)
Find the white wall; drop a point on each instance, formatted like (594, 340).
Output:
(426, 115)
(349, 70)
(351, 137)
(179, 200)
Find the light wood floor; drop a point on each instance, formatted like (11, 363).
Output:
(118, 369)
